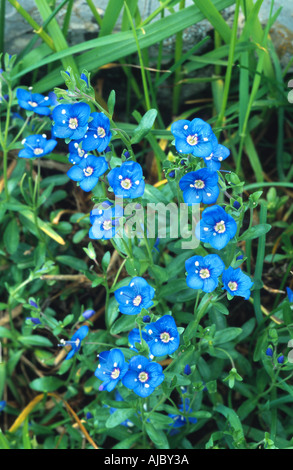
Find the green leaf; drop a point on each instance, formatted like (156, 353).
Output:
(144, 126)
(224, 336)
(112, 311)
(46, 384)
(5, 333)
(72, 262)
(11, 236)
(35, 340)
(111, 102)
(255, 232)
(119, 416)
(2, 378)
(25, 435)
(157, 436)
(4, 444)
(106, 260)
(159, 273)
(124, 323)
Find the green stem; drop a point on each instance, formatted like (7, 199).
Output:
(94, 12)
(143, 74)
(177, 75)
(228, 76)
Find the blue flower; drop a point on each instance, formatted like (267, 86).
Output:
(164, 335)
(214, 160)
(200, 186)
(112, 369)
(237, 283)
(195, 137)
(75, 341)
(269, 351)
(71, 120)
(187, 369)
(216, 227)
(89, 415)
(127, 180)
(203, 272)
(289, 294)
(88, 314)
(98, 134)
(37, 146)
(133, 298)
(236, 205)
(143, 376)
(146, 318)
(2, 405)
(180, 420)
(76, 154)
(33, 303)
(134, 337)
(88, 171)
(280, 359)
(105, 221)
(34, 102)
(34, 320)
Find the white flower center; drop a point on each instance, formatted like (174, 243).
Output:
(137, 300)
(107, 225)
(232, 285)
(33, 104)
(192, 139)
(115, 373)
(38, 151)
(199, 184)
(101, 132)
(126, 183)
(88, 171)
(73, 123)
(143, 377)
(165, 337)
(204, 273)
(220, 227)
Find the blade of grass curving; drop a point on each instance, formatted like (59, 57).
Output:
(178, 54)
(212, 14)
(133, 8)
(67, 18)
(183, 59)
(215, 56)
(94, 12)
(253, 158)
(2, 25)
(36, 28)
(281, 111)
(143, 73)
(254, 29)
(259, 265)
(230, 66)
(56, 33)
(156, 12)
(243, 87)
(110, 17)
(256, 83)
